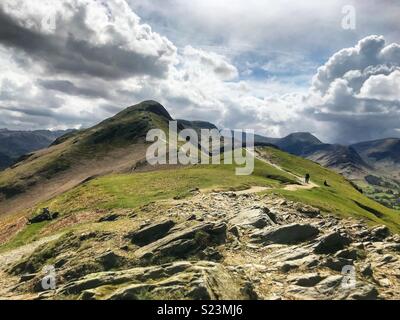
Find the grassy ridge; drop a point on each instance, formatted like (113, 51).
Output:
(138, 189)
(133, 190)
(340, 198)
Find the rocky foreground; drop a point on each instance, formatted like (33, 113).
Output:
(214, 246)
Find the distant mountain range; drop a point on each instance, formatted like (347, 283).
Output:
(373, 165)
(14, 144)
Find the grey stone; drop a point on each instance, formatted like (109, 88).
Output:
(380, 233)
(204, 233)
(366, 270)
(305, 280)
(255, 218)
(110, 218)
(328, 285)
(150, 233)
(332, 243)
(287, 234)
(365, 292)
(350, 254)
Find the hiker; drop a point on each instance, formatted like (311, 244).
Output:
(307, 178)
(326, 184)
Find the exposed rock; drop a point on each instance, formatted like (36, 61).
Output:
(350, 254)
(287, 234)
(256, 218)
(305, 280)
(386, 259)
(364, 292)
(150, 233)
(27, 277)
(328, 285)
(332, 243)
(308, 211)
(181, 280)
(45, 215)
(307, 263)
(110, 260)
(235, 231)
(366, 270)
(110, 218)
(198, 235)
(380, 233)
(337, 264)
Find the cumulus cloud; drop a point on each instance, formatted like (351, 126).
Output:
(357, 91)
(86, 39)
(382, 87)
(100, 57)
(210, 62)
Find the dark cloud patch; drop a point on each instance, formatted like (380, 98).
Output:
(70, 88)
(67, 54)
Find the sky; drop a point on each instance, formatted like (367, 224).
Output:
(329, 67)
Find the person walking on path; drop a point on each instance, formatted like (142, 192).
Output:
(307, 178)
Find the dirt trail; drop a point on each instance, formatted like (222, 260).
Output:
(291, 187)
(9, 257)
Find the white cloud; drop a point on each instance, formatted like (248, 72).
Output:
(102, 57)
(356, 93)
(382, 87)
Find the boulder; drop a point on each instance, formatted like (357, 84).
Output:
(45, 215)
(305, 280)
(350, 254)
(287, 234)
(330, 284)
(380, 233)
(337, 264)
(195, 236)
(307, 263)
(332, 243)
(364, 292)
(254, 218)
(110, 218)
(308, 211)
(366, 270)
(150, 233)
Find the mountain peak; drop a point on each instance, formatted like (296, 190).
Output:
(150, 106)
(303, 137)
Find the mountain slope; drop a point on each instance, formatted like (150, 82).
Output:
(14, 144)
(114, 145)
(121, 233)
(383, 154)
(297, 143)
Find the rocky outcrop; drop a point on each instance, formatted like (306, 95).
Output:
(254, 218)
(150, 233)
(332, 243)
(45, 215)
(180, 280)
(288, 234)
(183, 240)
(218, 246)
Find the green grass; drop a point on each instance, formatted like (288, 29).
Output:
(340, 198)
(126, 191)
(134, 190)
(27, 235)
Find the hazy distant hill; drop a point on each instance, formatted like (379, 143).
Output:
(14, 144)
(373, 165)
